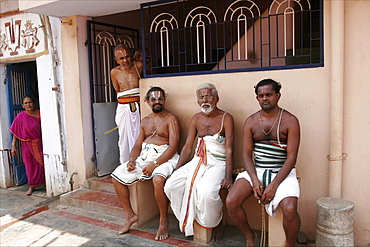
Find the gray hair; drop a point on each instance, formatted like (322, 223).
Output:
(124, 47)
(208, 86)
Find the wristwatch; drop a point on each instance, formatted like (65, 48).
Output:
(156, 163)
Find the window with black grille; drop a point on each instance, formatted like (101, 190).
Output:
(215, 36)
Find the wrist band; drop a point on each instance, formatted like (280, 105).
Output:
(156, 163)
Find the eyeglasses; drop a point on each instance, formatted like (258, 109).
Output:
(205, 97)
(153, 99)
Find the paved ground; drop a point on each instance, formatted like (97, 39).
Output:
(38, 221)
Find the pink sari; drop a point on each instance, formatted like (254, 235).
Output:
(27, 128)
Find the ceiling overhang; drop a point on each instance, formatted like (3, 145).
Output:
(90, 8)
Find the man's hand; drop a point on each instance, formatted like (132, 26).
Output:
(257, 189)
(148, 170)
(131, 165)
(227, 183)
(269, 193)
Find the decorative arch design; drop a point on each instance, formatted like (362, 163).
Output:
(105, 38)
(126, 40)
(198, 18)
(162, 24)
(239, 11)
(289, 8)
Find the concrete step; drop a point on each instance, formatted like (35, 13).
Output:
(103, 184)
(93, 200)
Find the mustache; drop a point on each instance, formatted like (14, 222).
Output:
(206, 104)
(157, 104)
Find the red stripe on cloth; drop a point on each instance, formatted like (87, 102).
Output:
(202, 153)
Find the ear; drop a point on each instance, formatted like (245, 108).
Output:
(278, 95)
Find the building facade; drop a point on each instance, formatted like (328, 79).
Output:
(328, 94)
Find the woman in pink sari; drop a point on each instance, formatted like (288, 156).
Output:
(27, 128)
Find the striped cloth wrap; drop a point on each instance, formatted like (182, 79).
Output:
(270, 156)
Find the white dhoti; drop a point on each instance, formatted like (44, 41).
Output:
(128, 121)
(194, 188)
(269, 158)
(287, 188)
(149, 153)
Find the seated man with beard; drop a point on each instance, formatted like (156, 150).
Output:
(153, 156)
(193, 188)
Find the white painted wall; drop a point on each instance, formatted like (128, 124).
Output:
(49, 74)
(76, 88)
(356, 168)
(5, 142)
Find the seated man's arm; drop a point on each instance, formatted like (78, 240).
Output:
(248, 144)
(186, 150)
(229, 136)
(293, 139)
(136, 149)
(173, 126)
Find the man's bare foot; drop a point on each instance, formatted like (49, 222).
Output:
(162, 233)
(29, 191)
(217, 232)
(252, 241)
(128, 224)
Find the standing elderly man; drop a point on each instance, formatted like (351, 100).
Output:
(125, 78)
(272, 135)
(153, 156)
(193, 188)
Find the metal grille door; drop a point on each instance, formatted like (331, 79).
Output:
(18, 85)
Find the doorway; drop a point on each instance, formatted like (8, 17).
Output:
(21, 81)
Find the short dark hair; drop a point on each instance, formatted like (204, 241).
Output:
(276, 86)
(153, 89)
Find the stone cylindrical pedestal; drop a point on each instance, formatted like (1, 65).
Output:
(334, 222)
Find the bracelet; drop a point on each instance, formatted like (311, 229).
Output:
(156, 163)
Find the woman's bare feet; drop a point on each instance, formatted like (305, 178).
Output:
(29, 191)
(162, 233)
(128, 224)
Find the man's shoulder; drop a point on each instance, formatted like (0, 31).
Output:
(115, 70)
(172, 116)
(253, 117)
(290, 117)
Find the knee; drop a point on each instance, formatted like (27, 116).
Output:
(231, 203)
(158, 181)
(290, 212)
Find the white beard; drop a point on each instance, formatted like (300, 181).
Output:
(206, 110)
